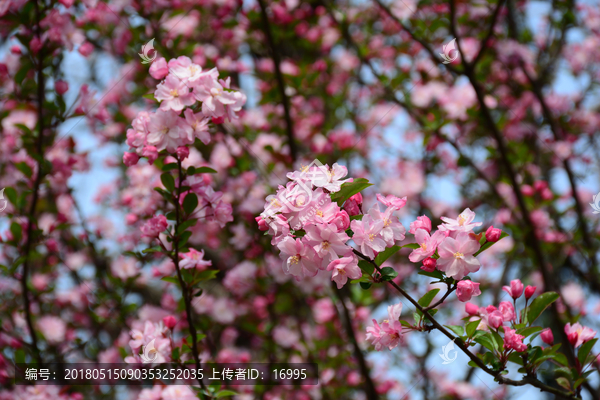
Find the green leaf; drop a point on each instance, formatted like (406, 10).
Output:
(349, 189)
(487, 245)
(183, 239)
(187, 224)
(365, 285)
(168, 181)
(538, 305)
(24, 168)
(170, 279)
(366, 267)
(427, 298)
(169, 167)
(486, 340)
(225, 393)
(564, 382)
(457, 329)
(149, 96)
(155, 249)
(24, 128)
(411, 246)
(387, 253)
(434, 274)
(388, 273)
(472, 327)
(16, 231)
(584, 350)
(20, 356)
(529, 331)
(190, 203)
(11, 194)
(206, 275)
(204, 170)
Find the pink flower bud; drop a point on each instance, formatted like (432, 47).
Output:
(527, 190)
(467, 289)
(262, 224)
(493, 234)
(16, 49)
(352, 205)
(515, 290)
(429, 264)
(507, 310)
(35, 45)
(422, 222)
(159, 69)
(573, 336)
(530, 291)
(547, 336)
(183, 152)
(471, 309)
(341, 220)
(86, 49)
(151, 153)
(495, 319)
(170, 321)
(61, 87)
(131, 219)
(130, 159)
(218, 120)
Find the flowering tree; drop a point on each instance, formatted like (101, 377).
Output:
(200, 246)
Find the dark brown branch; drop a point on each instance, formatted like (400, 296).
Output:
(280, 81)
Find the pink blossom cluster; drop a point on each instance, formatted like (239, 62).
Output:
(180, 119)
(389, 333)
(305, 205)
(156, 334)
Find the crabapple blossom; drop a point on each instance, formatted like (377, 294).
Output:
(392, 230)
(456, 256)
(389, 334)
(422, 222)
(428, 244)
(353, 204)
(429, 264)
(467, 289)
(154, 226)
(495, 319)
(463, 223)
(547, 336)
(579, 334)
(326, 241)
(299, 258)
(159, 68)
(331, 178)
(493, 234)
(168, 131)
(513, 340)
(515, 290)
(367, 235)
(174, 94)
(392, 201)
(530, 291)
(199, 124)
(343, 269)
(194, 259)
(507, 310)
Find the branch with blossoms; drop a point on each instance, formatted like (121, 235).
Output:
(190, 101)
(317, 218)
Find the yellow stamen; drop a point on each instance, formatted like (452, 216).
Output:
(458, 255)
(424, 247)
(371, 237)
(319, 213)
(461, 220)
(174, 93)
(295, 259)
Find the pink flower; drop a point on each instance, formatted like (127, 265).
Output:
(130, 159)
(173, 94)
(182, 152)
(467, 289)
(507, 310)
(199, 124)
(579, 334)
(154, 226)
(183, 68)
(151, 153)
(326, 241)
(428, 244)
(158, 69)
(471, 309)
(392, 230)
(214, 98)
(366, 235)
(341, 220)
(530, 291)
(299, 259)
(344, 268)
(495, 319)
(422, 222)
(461, 224)
(53, 328)
(547, 336)
(331, 179)
(515, 290)
(374, 335)
(61, 87)
(86, 49)
(168, 131)
(392, 201)
(194, 259)
(170, 321)
(514, 341)
(493, 234)
(456, 256)
(429, 264)
(392, 327)
(352, 205)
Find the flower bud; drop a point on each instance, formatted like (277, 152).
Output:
(422, 222)
(86, 49)
(130, 159)
(515, 290)
(262, 224)
(573, 336)
(183, 152)
(529, 291)
(471, 309)
(493, 234)
(495, 319)
(61, 87)
(170, 321)
(352, 205)
(429, 264)
(341, 220)
(547, 336)
(467, 289)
